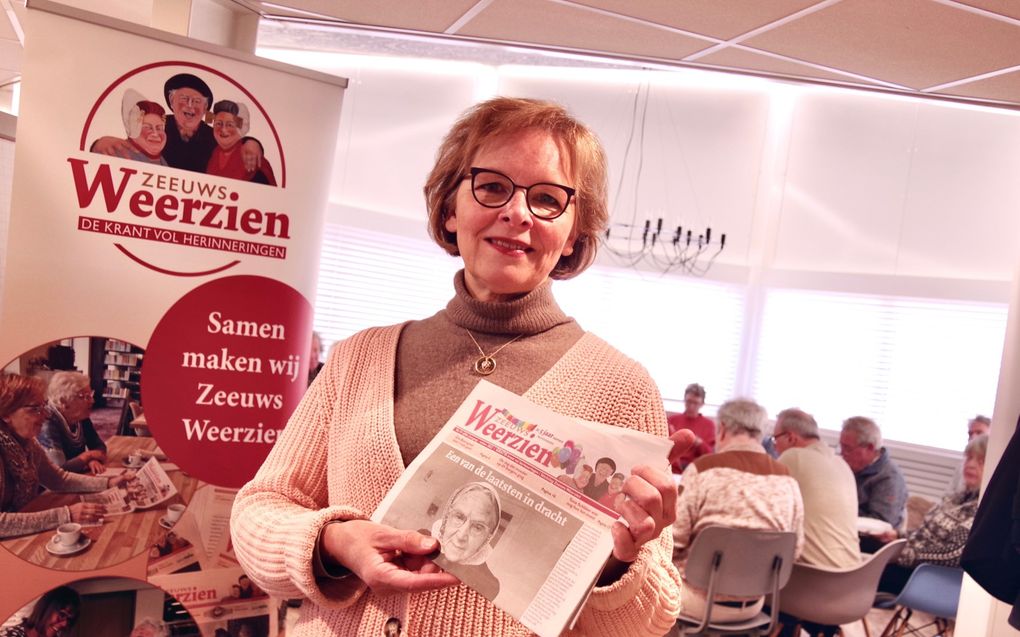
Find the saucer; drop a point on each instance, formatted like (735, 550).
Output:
(135, 465)
(167, 524)
(56, 548)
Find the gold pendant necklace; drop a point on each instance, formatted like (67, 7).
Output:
(486, 364)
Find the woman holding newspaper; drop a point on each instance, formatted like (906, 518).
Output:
(300, 527)
(25, 465)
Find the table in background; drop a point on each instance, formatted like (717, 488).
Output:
(121, 536)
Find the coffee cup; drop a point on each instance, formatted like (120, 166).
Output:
(134, 459)
(69, 533)
(174, 512)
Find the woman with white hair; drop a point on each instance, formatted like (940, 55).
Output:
(145, 126)
(469, 522)
(67, 435)
(943, 532)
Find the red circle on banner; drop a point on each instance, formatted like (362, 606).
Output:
(224, 369)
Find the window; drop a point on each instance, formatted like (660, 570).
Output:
(684, 330)
(920, 368)
(369, 278)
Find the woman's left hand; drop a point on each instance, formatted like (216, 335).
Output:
(649, 507)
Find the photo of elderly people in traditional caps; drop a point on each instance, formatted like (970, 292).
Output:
(101, 607)
(197, 134)
(82, 484)
(477, 524)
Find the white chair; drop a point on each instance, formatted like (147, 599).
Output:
(830, 596)
(741, 563)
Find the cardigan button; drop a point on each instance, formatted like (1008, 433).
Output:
(392, 627)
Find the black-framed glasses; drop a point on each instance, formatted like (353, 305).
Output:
(493, 189)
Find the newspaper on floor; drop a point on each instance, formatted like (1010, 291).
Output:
(153, 486)
(522, 500)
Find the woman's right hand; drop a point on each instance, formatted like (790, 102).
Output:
(388, 560)
(87, 512)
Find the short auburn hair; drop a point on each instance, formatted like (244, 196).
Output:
(502, 116)
(17, 391)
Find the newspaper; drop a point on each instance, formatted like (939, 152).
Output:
(522, 500)
(151, 487)
(222, 599)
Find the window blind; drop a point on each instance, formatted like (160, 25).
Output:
(921, 368)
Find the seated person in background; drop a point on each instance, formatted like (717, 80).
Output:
(943, 533)
(24, 465)
(739, 486)
(67, 435)
(881, 490)
(975, 427)
(828, 488)
(978, 425)
(703, 428)
(314, 357)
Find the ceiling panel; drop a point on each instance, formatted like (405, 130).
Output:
(542, 22)
(914, 46)
(743, 59)
(723, 19)
(1005, 88)
(1009, 8)
(420, 15)
(913, 43)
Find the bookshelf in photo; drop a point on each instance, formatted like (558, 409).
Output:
(122, 373)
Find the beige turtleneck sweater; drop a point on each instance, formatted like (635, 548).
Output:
(435, 356)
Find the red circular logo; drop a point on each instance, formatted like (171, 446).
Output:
(224, 369)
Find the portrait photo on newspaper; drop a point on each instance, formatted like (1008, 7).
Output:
(479, 516)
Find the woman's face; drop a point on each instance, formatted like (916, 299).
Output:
(80, 403)
(508, 252)
(973, 470)
(26, 422)
(152, 139)
(469, 523)
(58, 622)
(225, 130)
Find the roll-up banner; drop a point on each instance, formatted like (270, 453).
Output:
(164, 236)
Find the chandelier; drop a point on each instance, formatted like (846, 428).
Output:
(648, 238)
(680, 249)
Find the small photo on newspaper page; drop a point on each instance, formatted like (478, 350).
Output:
(481, 518)
(522, 500)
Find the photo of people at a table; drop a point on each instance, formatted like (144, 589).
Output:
(101, 607)
(78, 465)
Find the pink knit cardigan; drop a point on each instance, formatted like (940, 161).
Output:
(343, 431)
